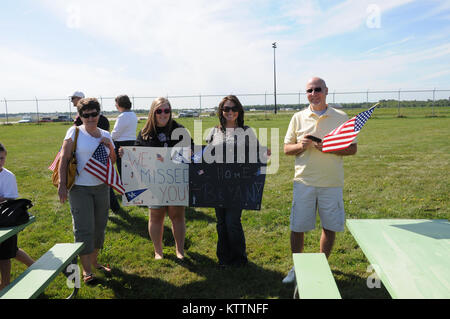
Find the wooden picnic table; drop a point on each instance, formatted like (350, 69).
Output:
(410, 256)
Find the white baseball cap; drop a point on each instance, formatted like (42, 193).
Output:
(78, 94)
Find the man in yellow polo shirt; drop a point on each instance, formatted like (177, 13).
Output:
(319, 177)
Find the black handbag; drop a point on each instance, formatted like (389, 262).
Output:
(14, 212)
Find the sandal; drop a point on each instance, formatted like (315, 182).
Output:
(88, 279)
(104, 269)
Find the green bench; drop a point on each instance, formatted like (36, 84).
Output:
(6, 232)
(33, 281)
(314, 279)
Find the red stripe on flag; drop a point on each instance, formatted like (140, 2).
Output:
(96, 170)
(106, 173)
(53, 164)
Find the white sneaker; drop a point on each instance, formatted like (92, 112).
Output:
(290, 278)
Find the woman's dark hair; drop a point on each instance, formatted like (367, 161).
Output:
(2, 148)
(90, 103)
(237, 103)
(123, 101)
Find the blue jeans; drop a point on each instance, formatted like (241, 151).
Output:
(231, 239)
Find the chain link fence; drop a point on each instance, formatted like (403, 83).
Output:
(39, 109)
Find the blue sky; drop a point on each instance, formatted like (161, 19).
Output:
(50, 48)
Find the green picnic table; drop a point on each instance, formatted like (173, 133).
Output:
(6, 232)
(410, 256)
(33, 281)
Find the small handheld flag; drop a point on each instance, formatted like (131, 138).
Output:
(344, 135)
(100, 166)
(53, 164)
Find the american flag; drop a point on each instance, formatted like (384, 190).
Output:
(344, 135)
(100, 166)
(53, 164)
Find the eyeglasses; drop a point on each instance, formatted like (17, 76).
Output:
(87, 115)
(227, 109)
(317, 90)
(166, 111)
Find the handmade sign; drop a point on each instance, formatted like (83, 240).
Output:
(226, 185)
(238, 185)
(155, 176)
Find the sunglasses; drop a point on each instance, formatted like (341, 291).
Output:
(166, 111)
(317, 90)
(227, 109)
(87, 115)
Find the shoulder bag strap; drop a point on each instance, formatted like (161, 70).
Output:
(74, 147)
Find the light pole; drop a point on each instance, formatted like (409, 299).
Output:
(274, 46)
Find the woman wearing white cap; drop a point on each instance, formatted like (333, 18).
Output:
(103, 122)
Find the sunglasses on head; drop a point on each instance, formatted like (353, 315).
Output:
(317, 90)
(159, 111)
(87, 115)
(227, 109)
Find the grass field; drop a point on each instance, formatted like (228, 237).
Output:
(401, 170)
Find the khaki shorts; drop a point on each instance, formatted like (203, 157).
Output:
(307, 200)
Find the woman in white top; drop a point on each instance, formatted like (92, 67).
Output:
(89, 196)
(124, 131)
(123, 134)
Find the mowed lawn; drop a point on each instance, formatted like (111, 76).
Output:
(401, 170)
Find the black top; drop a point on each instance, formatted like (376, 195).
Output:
(103, 122)
(162, 137)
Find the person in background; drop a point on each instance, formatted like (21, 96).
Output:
(124, 131)
(89, 196)
(75, 98)
(319, 176)
(8, 248)
(103, 122)
(231, 247)
(123, 134)
(157, 132)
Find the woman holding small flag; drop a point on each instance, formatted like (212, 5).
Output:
(89, 196)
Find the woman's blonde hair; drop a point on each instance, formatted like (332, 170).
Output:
(149, 128)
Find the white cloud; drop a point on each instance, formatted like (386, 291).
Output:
(390, 44)
(184, 37)
(314, 23)
(210, 46)
(435, 75)
(218, 47)
(47, 79)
